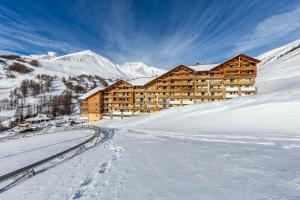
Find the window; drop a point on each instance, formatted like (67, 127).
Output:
(231, 80)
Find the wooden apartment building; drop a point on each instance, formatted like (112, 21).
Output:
(179, 86)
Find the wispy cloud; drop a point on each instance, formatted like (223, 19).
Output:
(17, 34)
(271, 29)
(159, 33)
(127, 37)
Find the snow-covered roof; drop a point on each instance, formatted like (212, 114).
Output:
(203, 67)
(140, 81)
(40, 117)
(91, 92)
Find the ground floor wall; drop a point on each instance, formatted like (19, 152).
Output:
(91, 117)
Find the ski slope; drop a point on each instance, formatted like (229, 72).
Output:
(244, 149)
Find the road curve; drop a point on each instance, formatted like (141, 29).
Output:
(100, 136)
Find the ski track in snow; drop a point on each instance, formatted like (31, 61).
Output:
(283, 141)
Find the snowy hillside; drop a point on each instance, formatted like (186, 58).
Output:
(280, 69)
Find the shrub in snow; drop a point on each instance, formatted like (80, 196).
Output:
(18, 67)
(34, 62)
(9, 75)
(10, 57)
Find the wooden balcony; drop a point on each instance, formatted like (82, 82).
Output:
(201, 89)
(229, 84)
(122, 90)
(121, 102)
(248, 68)
(122, 107)
(150, 96)
(202, 77)
(216, 89)
(232, 75)
(246, 82)
(202, 83)
(248, 74)
(213, 97)
(162, 84)
(216, 82)
(232, 69)
(122, 96)
(180, 78)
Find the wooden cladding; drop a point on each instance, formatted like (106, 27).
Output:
(180, 86)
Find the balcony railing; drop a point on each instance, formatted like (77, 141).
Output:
(175, 102)
(231, 89)
(252, 88)
(231, 95)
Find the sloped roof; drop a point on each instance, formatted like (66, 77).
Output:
(91, 92)
(40, 117)
(203, 67)
(140, 81)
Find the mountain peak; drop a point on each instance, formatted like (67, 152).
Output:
(84, 53)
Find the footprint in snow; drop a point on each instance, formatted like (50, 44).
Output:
(86, 181)
(103, 168)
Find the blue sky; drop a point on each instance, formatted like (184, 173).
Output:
(161, 33)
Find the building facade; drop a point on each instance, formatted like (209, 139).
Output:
(182, 85)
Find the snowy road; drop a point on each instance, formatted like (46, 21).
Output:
(167, 165)
(20, 152)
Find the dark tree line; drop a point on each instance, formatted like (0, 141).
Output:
(42, 83)
(83, 83)
(52, 106)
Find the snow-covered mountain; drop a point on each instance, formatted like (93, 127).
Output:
(84, 62)
(134, 69)
(91, 63)
(88, 62)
